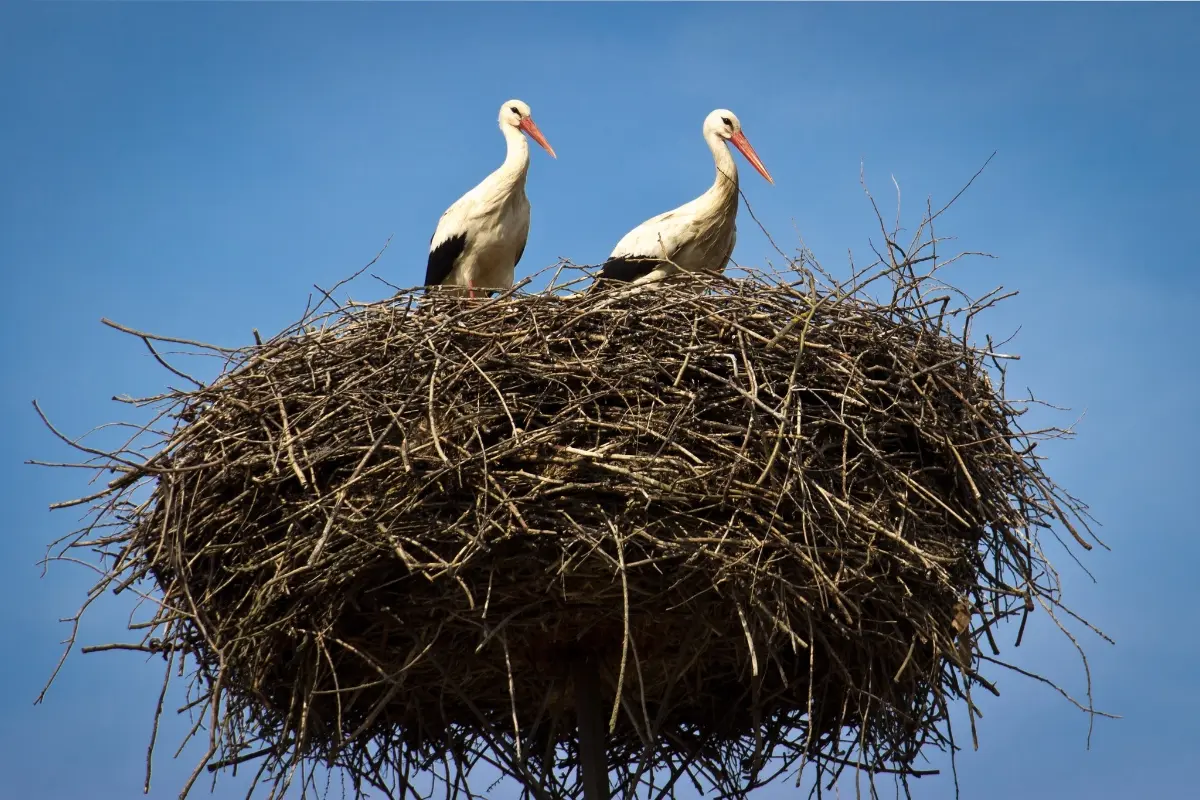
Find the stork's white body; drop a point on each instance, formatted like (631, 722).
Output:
(480, 239)
(487, 228)
(698, 236)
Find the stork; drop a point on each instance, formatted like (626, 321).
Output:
(697, 236)
(481, 237)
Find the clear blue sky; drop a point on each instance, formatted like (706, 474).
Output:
(193, 169)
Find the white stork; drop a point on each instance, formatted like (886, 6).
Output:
(697, 236)
(481, 237)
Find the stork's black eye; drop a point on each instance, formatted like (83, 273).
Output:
(515, 110)
(726, 121)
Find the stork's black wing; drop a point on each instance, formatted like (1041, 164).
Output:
(520, 253)
(442, 258)
(629, 268)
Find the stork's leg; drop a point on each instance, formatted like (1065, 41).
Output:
(470, 288)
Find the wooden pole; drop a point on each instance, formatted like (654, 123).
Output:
(592, 732)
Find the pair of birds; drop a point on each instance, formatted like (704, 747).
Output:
(481, 237)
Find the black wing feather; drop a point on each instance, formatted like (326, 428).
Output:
(520, 253)
(442, 258)
(629, 268)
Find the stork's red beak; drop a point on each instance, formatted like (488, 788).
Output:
(530, 127)
(739, 141)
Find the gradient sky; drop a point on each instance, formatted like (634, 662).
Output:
(193, 169)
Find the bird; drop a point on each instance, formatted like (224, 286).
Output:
(697, 236)
(480, 238)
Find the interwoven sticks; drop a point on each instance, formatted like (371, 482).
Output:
(778, 524)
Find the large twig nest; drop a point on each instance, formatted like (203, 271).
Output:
(776, 520)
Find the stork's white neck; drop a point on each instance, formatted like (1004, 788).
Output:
(516, 161)
(725, 184)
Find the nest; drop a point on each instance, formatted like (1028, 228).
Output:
(766, 524)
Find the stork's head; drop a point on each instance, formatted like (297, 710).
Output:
(724, 124)
(516, 114)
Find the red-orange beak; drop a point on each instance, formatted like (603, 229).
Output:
(530, 127)
(739, 141)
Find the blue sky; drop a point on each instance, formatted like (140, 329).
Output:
(193, 169)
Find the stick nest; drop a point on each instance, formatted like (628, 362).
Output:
(777, 524)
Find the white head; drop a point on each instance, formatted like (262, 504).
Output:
(724, 124)
(516, 114)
